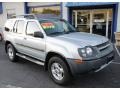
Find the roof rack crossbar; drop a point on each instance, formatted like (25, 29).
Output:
(27, 16)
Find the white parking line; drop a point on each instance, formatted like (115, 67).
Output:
(115, 62)
(117, 50)
(11, 86)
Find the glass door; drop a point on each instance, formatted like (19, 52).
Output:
(96, 21)
(73, 18)
(99, 22)
(81, 20)
(102, 22)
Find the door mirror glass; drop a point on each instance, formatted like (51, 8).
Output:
(38, 34)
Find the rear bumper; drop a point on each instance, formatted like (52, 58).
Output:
(91, 65)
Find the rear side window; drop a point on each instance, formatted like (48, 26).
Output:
(20, 27)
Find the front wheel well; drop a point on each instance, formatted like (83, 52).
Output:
(52, 54)
(6, 43)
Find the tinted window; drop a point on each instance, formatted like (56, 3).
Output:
(56, 27)
(20, 27)
(31, 28)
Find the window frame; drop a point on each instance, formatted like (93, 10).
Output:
(27, 26)
(17, 26)
(47, 6)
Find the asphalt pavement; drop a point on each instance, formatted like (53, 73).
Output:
(26, 74)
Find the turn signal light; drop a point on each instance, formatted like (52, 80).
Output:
(78, 61)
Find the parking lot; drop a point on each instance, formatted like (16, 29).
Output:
(29, 75)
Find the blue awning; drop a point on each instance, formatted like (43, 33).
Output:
(76, 4)
(1, 9)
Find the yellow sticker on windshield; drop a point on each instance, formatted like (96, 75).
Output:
(48, 26)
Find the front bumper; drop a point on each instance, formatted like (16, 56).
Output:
(91, 65)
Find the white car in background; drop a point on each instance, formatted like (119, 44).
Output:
(1, 34)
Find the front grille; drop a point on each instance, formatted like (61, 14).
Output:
(103, 46)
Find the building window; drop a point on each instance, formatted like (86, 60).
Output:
(51, 10)
(10, 13)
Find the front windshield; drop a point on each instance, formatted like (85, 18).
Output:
(56, 27)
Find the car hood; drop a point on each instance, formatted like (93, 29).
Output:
(83, 38)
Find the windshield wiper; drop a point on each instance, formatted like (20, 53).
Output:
(67, 32)
(54, 33)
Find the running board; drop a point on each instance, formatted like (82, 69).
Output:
(30, 59)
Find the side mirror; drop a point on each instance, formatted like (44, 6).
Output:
(38, 34)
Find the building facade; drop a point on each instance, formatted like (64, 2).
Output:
(94, 17)
(101, 18)
(10, 8)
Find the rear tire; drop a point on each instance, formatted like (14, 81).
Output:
(59, 71)
(11, 53)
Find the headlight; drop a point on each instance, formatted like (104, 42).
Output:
(86, 52)
(89, 51)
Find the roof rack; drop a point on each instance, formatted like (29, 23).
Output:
(37, 16)
(27, 16)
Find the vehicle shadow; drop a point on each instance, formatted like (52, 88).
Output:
(106, 78)
(101, 79)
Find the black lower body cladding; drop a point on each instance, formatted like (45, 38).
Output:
(91, 65)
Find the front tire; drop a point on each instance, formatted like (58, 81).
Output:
(11, 53)
(0, 37)
(59, 71)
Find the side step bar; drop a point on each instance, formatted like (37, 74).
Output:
(30, 59)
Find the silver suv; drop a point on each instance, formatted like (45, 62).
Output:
(56, 45)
